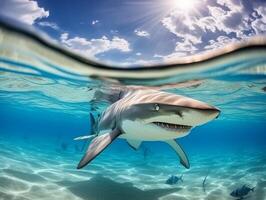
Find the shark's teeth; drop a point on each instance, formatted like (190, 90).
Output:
(172, 126)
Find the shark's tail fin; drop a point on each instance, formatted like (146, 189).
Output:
(252, 189)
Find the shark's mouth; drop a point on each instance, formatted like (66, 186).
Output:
(172, 127)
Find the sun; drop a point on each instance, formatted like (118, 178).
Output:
(185, 5)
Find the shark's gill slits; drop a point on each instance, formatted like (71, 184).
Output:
(172, 126)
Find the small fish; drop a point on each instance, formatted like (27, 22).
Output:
(242, 191)
(146, 152)
(64, 146)
(204, 183)
(172, 180)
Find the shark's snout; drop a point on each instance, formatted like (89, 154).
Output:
(218, 113)
(207, 115)
(215, 112)
(198, 112)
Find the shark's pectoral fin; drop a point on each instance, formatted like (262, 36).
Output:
(134, 143)
(180, 152)
(97, 145)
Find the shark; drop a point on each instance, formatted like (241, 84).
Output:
(141, 114)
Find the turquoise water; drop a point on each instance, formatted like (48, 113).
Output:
(45, 101)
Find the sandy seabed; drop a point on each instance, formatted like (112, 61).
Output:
(40, 172)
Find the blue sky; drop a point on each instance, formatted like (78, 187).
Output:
(133, 32)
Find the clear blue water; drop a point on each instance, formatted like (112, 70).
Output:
(41, 111)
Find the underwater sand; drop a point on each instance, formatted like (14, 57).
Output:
(46, 172)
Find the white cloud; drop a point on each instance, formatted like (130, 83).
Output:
(63, 37)
(182, 49)
(49, 24)
(222, 22)
(219, 42)
(137, 63)
(185, 46)
(114, 31)
(95, 22)
(141, 33)
(27, 11)
(184, 26)
(173, 57)
(94, 46)
(138, 54)
(259, 25)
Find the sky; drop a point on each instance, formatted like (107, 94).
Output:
(139, 32)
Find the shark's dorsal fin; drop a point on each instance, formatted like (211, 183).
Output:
(180, 152)
(109, 94)
(97, 145)
(134, 144)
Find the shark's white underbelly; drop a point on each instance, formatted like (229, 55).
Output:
(136, 130)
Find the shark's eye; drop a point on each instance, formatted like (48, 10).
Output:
(156, 107)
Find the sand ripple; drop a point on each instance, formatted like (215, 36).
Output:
(49, 174)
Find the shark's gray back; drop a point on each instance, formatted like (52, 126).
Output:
(111, 117)
(144, 96)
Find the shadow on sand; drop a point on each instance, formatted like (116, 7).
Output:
(101, 188)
